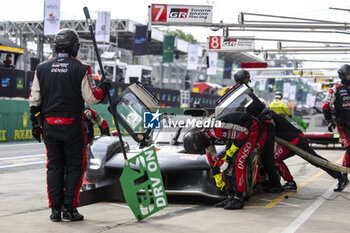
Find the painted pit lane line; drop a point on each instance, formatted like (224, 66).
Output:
(18, 144)
(282, 197)
(25, 160)
(300, 186)
(304, 216)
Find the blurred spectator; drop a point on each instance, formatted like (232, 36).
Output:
(278, 106)
(8, 62)
(98, 76)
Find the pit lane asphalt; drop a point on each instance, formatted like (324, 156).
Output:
(313, 208)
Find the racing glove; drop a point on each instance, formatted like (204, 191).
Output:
(231, 151)
(331, 126)
(218, 158)
(105, 86)
(35, 118)
(219, 181)
(210, 160)
(37, 132)
(224, 166)
(105, 131)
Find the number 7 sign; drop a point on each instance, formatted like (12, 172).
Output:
(159, 12)
(177, 14)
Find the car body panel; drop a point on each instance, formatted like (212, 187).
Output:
(317, 131)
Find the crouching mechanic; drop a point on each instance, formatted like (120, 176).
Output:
(91, 118)
(60, 87)
(238, 130)
(285, 130)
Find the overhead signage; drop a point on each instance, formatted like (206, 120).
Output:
(164, 13)
(230, 44)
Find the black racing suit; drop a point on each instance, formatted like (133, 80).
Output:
(243, 131)
(339, 96)
(267, 144)
(285, 130)
(60, 87)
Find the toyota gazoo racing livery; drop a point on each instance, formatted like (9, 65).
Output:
(183, 173)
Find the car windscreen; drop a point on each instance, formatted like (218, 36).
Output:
(240, 98)
(130, 106)
(131, 110)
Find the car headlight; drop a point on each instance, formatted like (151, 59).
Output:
(95, 164)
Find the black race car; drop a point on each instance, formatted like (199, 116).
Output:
(183, 173)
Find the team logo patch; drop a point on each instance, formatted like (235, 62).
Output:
(59, 65)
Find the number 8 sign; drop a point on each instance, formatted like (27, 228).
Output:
(214, 42)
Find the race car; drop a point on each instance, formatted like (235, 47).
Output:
(183, 173)
(317, 131)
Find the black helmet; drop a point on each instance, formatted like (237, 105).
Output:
(195, 142)
(278, 95)
(344, 72)
(67, 40)
(241, 76)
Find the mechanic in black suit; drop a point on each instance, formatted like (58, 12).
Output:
(339, 96)
(285, 130)
(61, 86)
(266, 142)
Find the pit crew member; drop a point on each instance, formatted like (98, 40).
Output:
(60, 87)
(339, 97)
(238, 130)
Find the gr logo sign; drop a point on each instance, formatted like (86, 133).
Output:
(178, 13)
(217, 42)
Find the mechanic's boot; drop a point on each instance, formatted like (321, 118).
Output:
(290, 186)
(56, 214)
(273, 189)
(224, 202)
(343, 182)
(236, 203)
(258, 189)
(71, 213)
